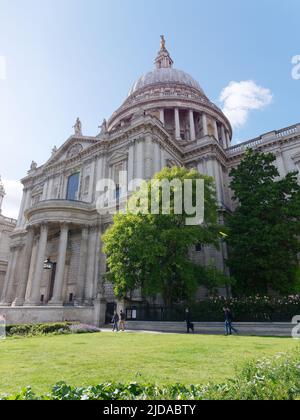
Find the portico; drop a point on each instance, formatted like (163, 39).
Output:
(61, 242)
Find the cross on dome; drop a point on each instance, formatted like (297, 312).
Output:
(163, 59)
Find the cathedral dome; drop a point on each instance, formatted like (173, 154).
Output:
(164, 76)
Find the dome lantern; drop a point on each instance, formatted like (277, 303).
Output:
(163, 59)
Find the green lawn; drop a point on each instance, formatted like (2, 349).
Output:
(94, 358)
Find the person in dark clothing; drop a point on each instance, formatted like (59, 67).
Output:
(228, 322)
(189, 324)
(122, 321)
(115, 322)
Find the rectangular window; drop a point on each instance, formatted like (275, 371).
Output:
(73, 187)
(118, 192)
(198, 248)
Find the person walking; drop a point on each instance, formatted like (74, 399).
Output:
(115, 322)
(189, 324)
(228, 322)
(122, 320)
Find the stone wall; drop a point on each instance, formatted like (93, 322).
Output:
(46, 314)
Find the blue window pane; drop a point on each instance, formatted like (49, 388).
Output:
(73, 185)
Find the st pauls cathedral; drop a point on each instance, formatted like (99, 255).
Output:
(52, 267)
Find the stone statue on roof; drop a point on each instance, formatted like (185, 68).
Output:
(78, 128)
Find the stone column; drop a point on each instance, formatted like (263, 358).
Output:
(82, 266)
(89, 284)
(216, 133)
(177, 124)
(6, 298)
(34, 299)
(228, 139)
(192, 126)
(162, 116)
(57, 299)
(24, 269)
(204, 125)
(224, 139)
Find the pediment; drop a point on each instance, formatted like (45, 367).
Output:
(117, 157)
(72, 148)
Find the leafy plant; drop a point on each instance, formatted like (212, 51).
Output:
(277, 378)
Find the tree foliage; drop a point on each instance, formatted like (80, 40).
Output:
(151, 252)
(265, 227)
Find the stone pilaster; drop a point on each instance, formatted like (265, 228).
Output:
(82, 266)
(140, 159)
(157, 157)
(148, 158)
(91, 261)
(130, 164)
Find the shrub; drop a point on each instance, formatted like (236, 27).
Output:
(38, 329)
(83, 329)
(27, 330)
(245, 309)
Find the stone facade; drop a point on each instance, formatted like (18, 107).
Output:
(166, 120)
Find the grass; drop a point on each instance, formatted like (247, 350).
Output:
(89, 359)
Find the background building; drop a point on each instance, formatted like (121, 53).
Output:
(166, 120)
(7, 225)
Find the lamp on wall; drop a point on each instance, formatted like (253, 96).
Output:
(48, 264)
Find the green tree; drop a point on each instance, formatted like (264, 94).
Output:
(264, 229)
(151, 252)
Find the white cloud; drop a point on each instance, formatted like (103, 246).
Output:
(12, 200)
(2, 68)
(239, 98)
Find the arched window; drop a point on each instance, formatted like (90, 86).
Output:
(73, 187)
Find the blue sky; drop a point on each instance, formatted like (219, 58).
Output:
(70, 58)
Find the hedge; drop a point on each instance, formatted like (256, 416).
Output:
(245, 309)
(50, 328)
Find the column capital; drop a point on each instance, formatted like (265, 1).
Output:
(44, 226)
(64, 226)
